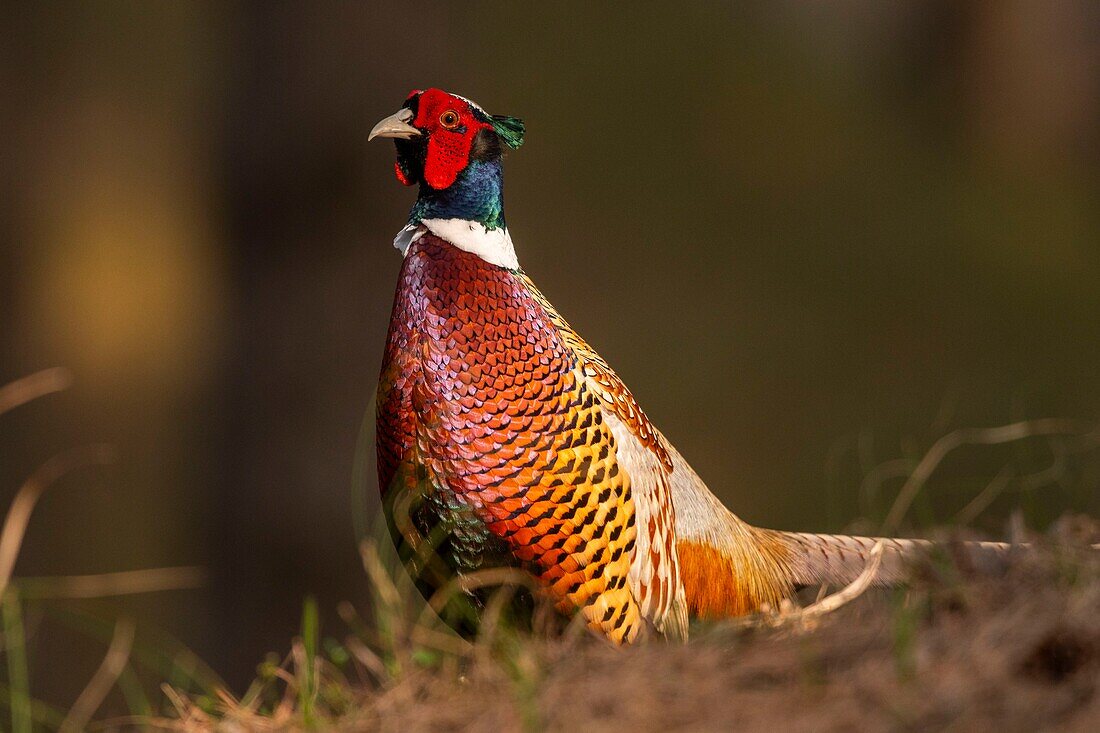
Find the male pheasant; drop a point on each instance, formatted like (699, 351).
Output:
(504, 438)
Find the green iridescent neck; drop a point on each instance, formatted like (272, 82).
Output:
(476, 195)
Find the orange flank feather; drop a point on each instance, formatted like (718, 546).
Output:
(715, 587)
(710, 587)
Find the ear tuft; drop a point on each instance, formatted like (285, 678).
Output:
(510, 130)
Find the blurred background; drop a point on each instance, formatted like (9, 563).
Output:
(812, 238)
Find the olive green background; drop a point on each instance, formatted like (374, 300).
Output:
(811, 237)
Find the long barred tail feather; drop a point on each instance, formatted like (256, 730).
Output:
(839, 559)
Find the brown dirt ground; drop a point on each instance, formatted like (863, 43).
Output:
(953, 652)
(1020, 652)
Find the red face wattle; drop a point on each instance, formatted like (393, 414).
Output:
(437, 135)
(450, 125)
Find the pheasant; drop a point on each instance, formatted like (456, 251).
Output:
(503, 438)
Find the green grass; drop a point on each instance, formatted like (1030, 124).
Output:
(15, 650)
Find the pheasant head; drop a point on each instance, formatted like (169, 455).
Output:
(452, 149)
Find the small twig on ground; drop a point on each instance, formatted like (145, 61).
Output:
(118, 653)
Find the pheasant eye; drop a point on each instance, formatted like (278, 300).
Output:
(449, 119)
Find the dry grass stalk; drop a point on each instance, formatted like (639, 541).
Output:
(977, 436)
(114, 662)
(31, 387)
(101, 585)
(19, 514)
(985, 497)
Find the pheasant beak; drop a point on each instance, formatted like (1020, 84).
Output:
(396, 125)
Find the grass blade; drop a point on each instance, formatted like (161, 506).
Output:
(18, 673)
(311, 632)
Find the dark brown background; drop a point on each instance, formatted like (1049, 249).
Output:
(810, 236)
